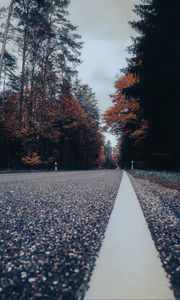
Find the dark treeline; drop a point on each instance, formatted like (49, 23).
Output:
(145, 114)
(46, 114)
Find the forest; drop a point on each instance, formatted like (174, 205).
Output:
(47, 115)
(145, 111)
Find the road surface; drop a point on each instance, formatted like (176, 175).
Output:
(128, 266)
(51, 228)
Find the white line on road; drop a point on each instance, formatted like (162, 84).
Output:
(128, 266)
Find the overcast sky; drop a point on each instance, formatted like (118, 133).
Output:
(103, 25)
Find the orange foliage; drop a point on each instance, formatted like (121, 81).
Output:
(123, 116)
(116, 154)
(32, 161)
(71, 114)
(125, 81)
(124, 119)
(50, 128)
(101, 155)
(8, 116)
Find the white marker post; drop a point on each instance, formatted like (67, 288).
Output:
(55, 166)
(132, 165)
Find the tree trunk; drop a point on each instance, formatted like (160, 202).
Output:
(4, 87)
(21, 98)
(5, 36)
(31, 104)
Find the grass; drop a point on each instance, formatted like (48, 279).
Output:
(162, 176)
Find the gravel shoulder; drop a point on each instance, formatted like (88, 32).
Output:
(52, 226)
(159, 195)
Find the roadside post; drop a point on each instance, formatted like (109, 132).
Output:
(55, 166)
(132, 165)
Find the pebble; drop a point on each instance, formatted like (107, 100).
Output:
(76, 271)
(23, 274)
(32, 280)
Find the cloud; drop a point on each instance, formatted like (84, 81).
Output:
(4, 3)
(103, 18)
(100, 76)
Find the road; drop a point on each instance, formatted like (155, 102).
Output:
(52, 226)
(128, 266)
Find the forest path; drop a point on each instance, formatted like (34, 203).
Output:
(128, 266)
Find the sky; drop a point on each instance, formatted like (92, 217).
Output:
(103, 25)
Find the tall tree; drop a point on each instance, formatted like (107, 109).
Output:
(156, 62)
(49, 47)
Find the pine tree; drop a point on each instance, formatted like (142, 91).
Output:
(87, 99)
(156, 63)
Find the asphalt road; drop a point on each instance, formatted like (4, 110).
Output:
(51, 229)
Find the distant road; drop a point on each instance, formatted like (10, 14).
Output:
(51, 229)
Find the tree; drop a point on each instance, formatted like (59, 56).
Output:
(109, 162)
(87, 99)
(62, 132)
(125, 121)
(155, 62)
(101, 157)
(81, 139)
(10, 128)
(48, 45)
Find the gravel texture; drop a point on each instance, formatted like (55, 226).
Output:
(159, 198)
(51, 229)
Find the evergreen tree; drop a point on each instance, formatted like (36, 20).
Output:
(156, 64)
(87, 99)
